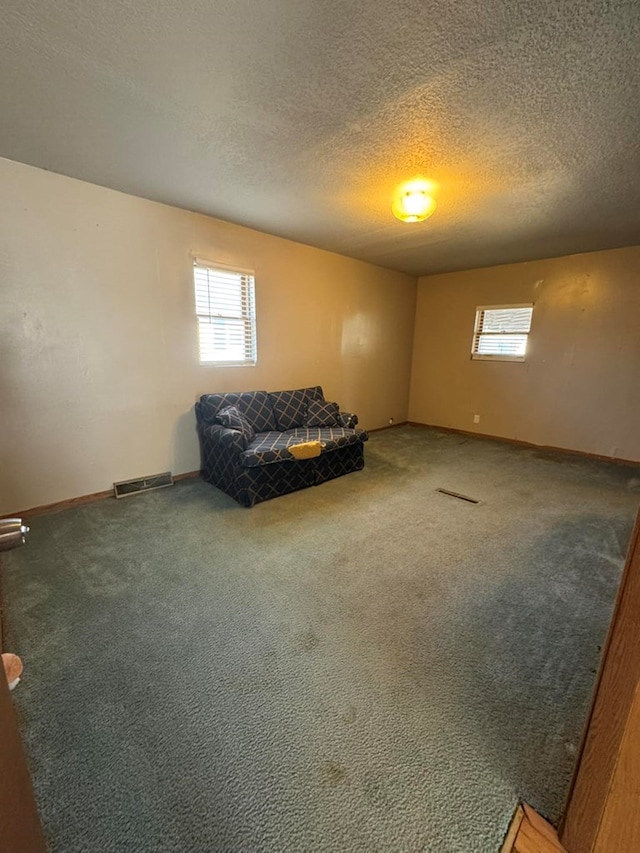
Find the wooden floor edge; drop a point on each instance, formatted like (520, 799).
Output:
(58, 506)
(542, 827)
(389, 426)
(584, 453)
(512, 832)
(530, 833)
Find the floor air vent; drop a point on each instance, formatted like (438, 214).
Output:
(142, 484)
(458, 495)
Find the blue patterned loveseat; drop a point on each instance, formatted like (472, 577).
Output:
(253, 469)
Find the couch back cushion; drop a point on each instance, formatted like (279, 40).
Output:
(321, 414)
(290, 407)
(254, 405)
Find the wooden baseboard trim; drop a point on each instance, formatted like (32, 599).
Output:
(187, 476)
(58, 506)
(389, 426)
(530, 833)
(546, 447)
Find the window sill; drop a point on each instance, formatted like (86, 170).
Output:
(228, 363)
(498, 357)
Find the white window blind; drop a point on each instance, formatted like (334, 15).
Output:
(501, 332)
(225, 306)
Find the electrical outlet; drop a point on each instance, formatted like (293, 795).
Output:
(476, 419)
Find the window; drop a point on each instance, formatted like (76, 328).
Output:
(225, 305)
(501, 332)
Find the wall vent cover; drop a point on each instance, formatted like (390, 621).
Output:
(143, 484)
(458, 495)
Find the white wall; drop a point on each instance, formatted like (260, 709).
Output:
(99, 341)
(579, 387)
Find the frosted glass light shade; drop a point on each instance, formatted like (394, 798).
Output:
(413, 205)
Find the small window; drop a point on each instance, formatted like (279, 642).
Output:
(501, 332)
(225, 305)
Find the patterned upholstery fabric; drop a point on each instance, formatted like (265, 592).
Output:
(343, 461)
(321, 414)
(348, 420)
(220, 450)
(254, 405)
(290, 407)
(223, 449)
(271, 481)
(231, 418)
(270, 447)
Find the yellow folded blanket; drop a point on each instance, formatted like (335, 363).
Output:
(305, 450)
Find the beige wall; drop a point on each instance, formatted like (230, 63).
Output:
(98, 335)
(579, 387)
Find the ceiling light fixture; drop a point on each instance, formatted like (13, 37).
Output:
(413, 203)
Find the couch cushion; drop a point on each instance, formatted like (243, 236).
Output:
(269, 447)
(321, 414)
(254, 405)
(231, 418)
(290, 407)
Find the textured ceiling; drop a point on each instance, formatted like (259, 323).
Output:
(299, 117)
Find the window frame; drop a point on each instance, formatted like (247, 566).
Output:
(248, 316)
(475, 356)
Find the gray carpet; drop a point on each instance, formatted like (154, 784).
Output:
(364, 666)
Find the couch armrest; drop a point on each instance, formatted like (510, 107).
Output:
(220, 450)
(348, 420)
(231, 440)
